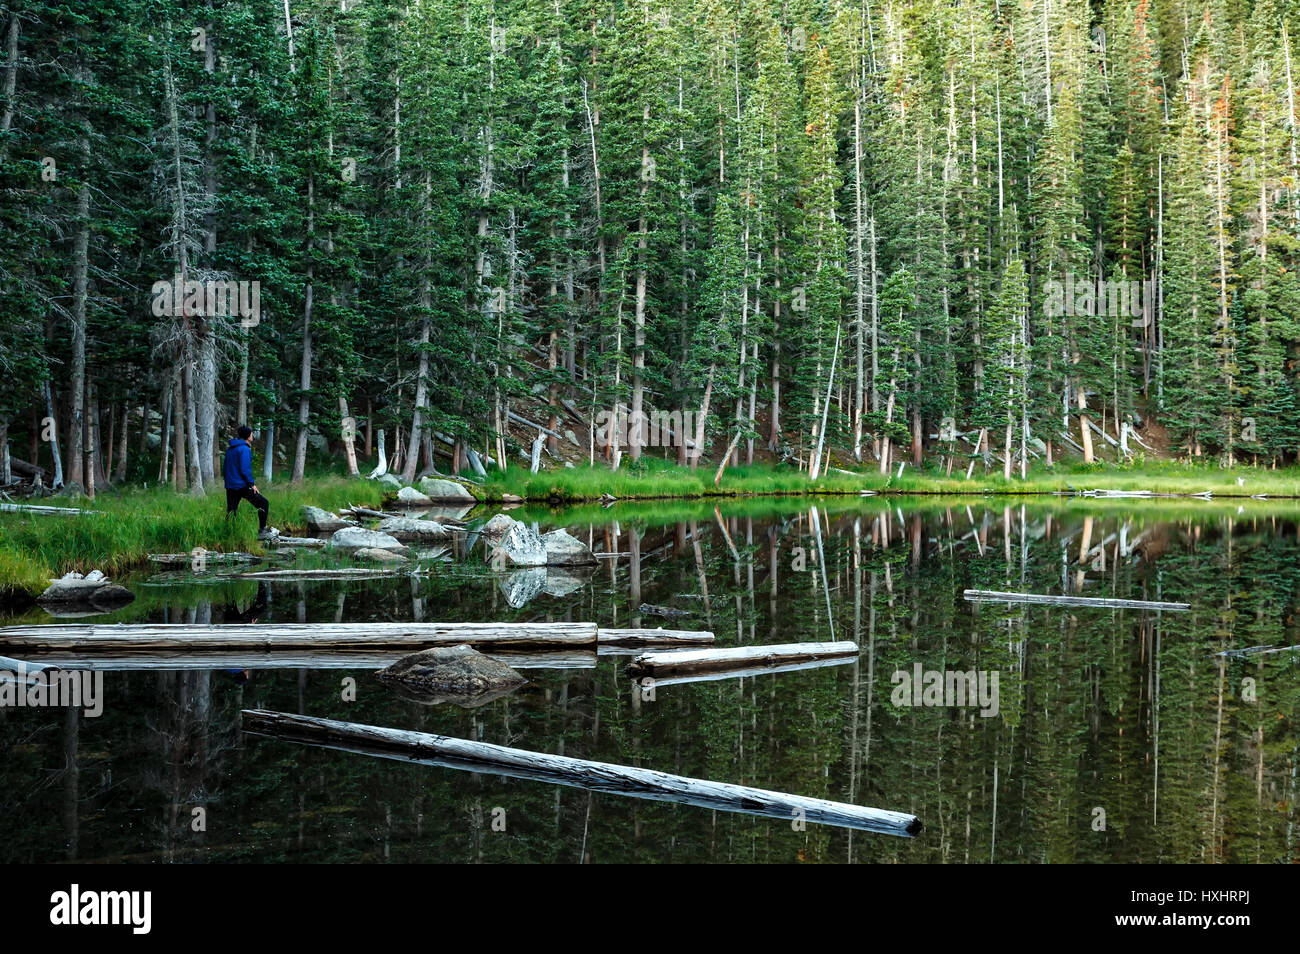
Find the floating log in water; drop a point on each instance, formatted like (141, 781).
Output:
(660, 681)
(995, 596)
(485, 758)
(311, 543)
(207, 557)
(179, 660)
(694, 661)
(263, 637)
(338, 573)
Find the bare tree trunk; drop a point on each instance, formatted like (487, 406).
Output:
(11, 74)
(191, 426)
(349, 436)
(120, 474)
(89, 434)
(80, 271)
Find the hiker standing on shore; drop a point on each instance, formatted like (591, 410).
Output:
(237, 469)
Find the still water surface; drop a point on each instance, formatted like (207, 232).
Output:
(1120, 736)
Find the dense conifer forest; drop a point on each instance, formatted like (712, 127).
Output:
(874, 231)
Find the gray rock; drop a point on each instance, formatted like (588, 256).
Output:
(519, 546)
(562, 582)
(497, 527)
(379, 556)
(457, 674)
(412, 497)
(412, 528)
(93, 589)
(357, 538)
(322, 521)
(563, 549)
(444, 490)
(522, 586)
(388, 480)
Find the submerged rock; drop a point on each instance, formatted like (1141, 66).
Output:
(378, 555)
(563, 549)
(457, 674)
(651, 610)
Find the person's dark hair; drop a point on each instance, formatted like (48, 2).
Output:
(244, 432)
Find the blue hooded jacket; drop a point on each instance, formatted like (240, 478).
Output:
(237, 468)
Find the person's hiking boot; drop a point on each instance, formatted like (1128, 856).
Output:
(270, 533)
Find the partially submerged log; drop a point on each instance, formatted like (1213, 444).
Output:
(693, 661)
(338, 573)
(263, 637)
(206, 557)
(660, 681)
(996, 596)
(484, 758)
(178, 660)
(309, 543)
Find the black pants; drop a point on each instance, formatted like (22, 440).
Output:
(260, 503)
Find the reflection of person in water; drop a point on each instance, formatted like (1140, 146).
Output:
(256, 610)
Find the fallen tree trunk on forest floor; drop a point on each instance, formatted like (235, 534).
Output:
(481, 757)
(995, 596)
(43, 511)
(695, 661)
(262, 637)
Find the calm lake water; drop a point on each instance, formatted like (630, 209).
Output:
(1120, 736)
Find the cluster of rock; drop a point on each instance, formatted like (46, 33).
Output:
(512, 543)
(427, 491)
(550, 563)
(75, 594)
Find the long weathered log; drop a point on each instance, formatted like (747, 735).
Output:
(41, 511)
(652, 637)
(339, 573)
(693, 661)
(995, 596)
(207, 556)
(659, 681)
(121, 661)
(484, 758)
(263, 637)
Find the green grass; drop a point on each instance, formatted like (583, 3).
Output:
(132, 523)
(657, 479)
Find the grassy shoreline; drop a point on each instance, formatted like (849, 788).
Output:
(657, 480)
(131, 523)
(134, 522)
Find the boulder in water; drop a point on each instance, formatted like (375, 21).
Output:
(458, 674)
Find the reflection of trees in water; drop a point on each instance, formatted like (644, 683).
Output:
(1121, 710)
